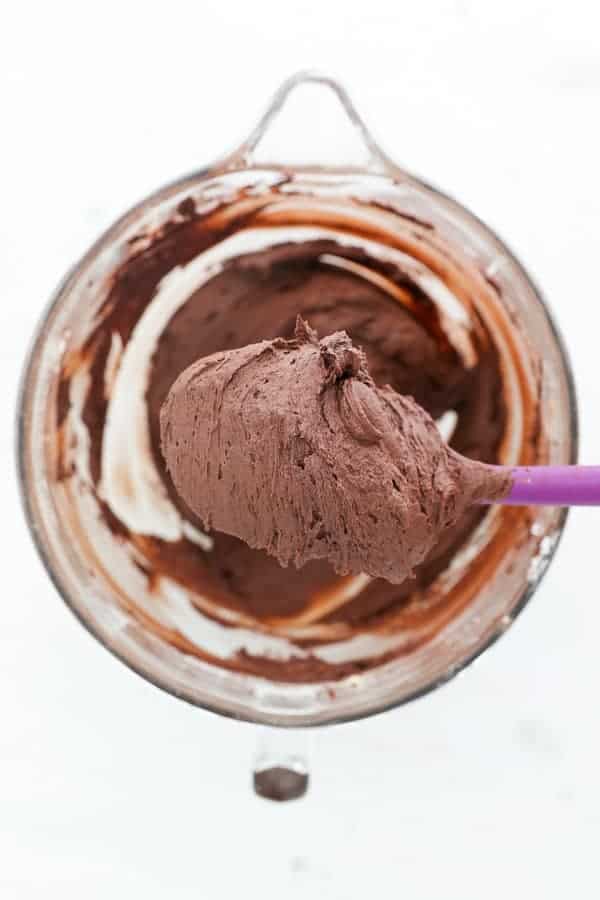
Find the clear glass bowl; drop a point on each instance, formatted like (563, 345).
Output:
(501, 594)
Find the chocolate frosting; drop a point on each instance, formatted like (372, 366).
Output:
(291, 446)
(258, 295)
(214, 280)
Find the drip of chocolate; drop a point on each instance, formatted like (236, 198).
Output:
(290, 446)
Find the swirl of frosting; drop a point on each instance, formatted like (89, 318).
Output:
(291, 446)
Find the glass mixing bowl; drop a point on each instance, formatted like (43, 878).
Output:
(501, 593)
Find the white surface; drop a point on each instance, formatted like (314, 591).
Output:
(490, 787)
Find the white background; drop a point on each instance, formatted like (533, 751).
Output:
(489, 788)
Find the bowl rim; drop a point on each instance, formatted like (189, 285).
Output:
(25, 391)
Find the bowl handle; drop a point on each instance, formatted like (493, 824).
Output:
(362, 154)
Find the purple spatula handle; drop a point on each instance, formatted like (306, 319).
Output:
(555, 486)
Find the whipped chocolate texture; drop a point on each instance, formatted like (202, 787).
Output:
(322, 458)
(291, 446)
